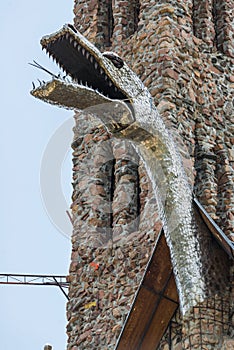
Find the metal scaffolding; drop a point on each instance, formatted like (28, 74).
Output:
(36, 280)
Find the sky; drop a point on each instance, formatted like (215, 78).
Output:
(35, 138)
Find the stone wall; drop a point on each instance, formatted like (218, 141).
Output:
(183, 52)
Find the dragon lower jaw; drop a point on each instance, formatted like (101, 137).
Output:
(65, 94)
(115, 114)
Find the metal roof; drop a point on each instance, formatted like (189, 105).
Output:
(215, 230)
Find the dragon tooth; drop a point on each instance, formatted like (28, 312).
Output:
(101, 71)
(106, 77)
(78, 47)
(110, 83)
(83, 51)
(87, 55)
(91, 59)
(95, 65)
(67, 36)
(75, 43)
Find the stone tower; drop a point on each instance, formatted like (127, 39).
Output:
(184, 53)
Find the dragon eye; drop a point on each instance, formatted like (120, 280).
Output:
(115, 59)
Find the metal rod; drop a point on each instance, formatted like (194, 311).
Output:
(61, 289)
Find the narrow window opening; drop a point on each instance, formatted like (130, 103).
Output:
(194, 14)
(138, 194)
(136, 15)
(133, 14)
(112, 191)
(105, 22)
(110, 23)
(106, 179)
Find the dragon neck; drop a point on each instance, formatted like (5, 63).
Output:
(158, 151)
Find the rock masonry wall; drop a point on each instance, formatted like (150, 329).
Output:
(183, 52)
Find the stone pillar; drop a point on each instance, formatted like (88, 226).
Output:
(204, 22)
(126, 18)
(225, 178)
(86, 18)
(223, 12)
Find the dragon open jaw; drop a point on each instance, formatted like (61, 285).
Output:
(87, 67)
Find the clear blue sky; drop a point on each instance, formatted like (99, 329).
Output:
(30, 242)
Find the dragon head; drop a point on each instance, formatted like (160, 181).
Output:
(98, 81)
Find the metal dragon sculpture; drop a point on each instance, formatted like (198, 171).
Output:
(103, 84)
